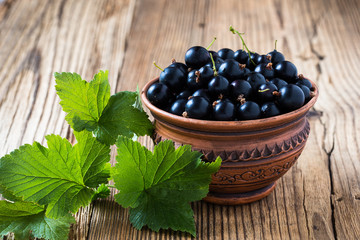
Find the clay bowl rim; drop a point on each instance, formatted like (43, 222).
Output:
(227, 126)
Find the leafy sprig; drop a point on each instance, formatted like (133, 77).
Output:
(159, 186)
(44, 185)
(89, 106)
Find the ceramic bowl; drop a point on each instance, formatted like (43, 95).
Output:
(255, 153)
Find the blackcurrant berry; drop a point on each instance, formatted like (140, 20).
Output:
(240, 89)
(193, 80)
(226, 53)
(269, 109)
(266, 70)
(178, 107)
(223, 110)
(196, 57)
(291, 97)
(252, 61)
(218, 86)
(301, 80)
(218, 63)
(184, 94)
(174, 78)
(202, 93)
(206, 74)
(263, 59)
(255, 79)
(286, 70)
(159, 95)
(247, 111)
(197, 107)
(179, 65)
(241, 56)
(278, 82)
(307, 92)
(232, 70)
(265, 92)
(214, 54)
(276, 57)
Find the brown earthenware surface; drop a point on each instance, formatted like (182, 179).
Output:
(255, 153)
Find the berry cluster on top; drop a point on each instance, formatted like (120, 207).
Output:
(228, 85)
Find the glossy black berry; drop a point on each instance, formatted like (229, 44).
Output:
(266, 70)
(291, 97)
(252, 61)
(247, 111)
(226, 53)
(174, 78)
(265, 92)
(263, 59)
(196, 57)
(178, 107)
(184, 94)
(159, 95)
(206, 74)
(255, 79)
(197, 107)
(193, 80)
(301, 80)
(269, 109)
(223, 110)
(278, 82)
(180, 65)
(218, 86)
(214, 54)
(240, 89)
(218, 63)
(286, 70)
(232, 70)
(202, 93)
(307, 92)
(241, 56)
(276, 57)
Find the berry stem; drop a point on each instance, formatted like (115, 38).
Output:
(158, 66)
(264, 90)
(275, 44)
(213, 63)
(243, 42)
(211, 43)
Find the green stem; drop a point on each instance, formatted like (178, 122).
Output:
(275, 44)
(110, 186)
(213, 62)
(158, 66)
(243, 42)
(211, 43)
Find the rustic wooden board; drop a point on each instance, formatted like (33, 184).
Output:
(319, 198)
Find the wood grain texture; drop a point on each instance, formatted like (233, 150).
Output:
(319, 198)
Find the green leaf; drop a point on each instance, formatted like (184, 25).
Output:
(101, 192)
(26, 219)
(120, 117)
(89, 106)
(159, 186)
(60, 176)
(8, 194)
(83, 101)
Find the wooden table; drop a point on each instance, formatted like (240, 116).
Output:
(319, 198)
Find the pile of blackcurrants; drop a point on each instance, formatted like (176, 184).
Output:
(228, 85)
